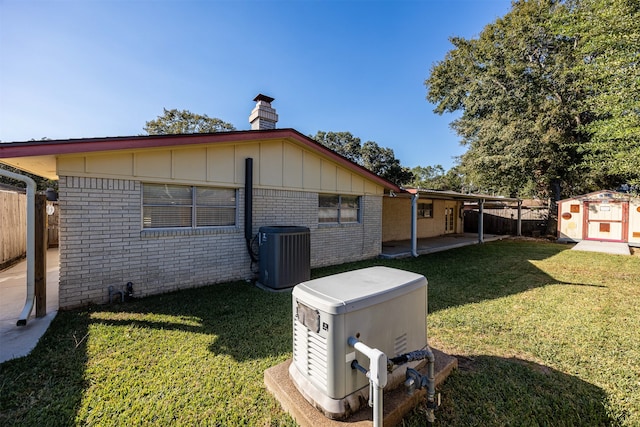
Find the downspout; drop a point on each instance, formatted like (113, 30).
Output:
(414, 224)
(248, 205)
(481, 221)
(31, 244)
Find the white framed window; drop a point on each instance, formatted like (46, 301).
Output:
(184, 206)
(338, 209)
(425, 210)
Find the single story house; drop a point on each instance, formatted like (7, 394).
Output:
(169, 212)
(166, 212)
(602, 215)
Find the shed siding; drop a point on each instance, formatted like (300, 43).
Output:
(571, 229)
(634, 222)
(102, 242)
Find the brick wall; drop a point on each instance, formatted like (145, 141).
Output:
(102, 243)
(330, 244)
(337, 244)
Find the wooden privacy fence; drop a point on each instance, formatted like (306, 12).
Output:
(13, 226)
(505, 221)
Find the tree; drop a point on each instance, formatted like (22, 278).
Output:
(609, 35)
(549, 96)
(516, 88)
(343, 143)
(382, 162)
(379, 160)
(435, 178)
(184, 121)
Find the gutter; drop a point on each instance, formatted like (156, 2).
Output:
(31, 244)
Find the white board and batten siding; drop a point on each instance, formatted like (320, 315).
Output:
(602, 215)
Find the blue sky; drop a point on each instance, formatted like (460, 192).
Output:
(94, 68)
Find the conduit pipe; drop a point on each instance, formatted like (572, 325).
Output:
(31, 244)
(414, 224)
(377, 375)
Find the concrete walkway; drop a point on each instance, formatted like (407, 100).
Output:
(402, 248)
(18, 341)
(613, 248)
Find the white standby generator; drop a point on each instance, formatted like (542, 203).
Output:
(385, 308)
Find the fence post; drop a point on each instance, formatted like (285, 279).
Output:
(519, 226)
(41, 255)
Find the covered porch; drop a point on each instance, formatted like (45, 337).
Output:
(419, 221)
(403, 248)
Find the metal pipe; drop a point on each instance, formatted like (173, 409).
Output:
(377, 375)
(414, 224)
(416, 380)
(31, 244)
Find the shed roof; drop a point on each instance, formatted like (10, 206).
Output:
(601, 195)
(39, 157)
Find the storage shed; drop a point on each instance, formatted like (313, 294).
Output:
(602, 215)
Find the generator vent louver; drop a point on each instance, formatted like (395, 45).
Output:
(310, 352)
(400, 344)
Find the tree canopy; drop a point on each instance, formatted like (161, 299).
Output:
(541, 91)
(184, 121)
(436, 178)
(379, 160)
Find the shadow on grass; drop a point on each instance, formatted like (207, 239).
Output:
(474, 273)
(495, 391)
(243, 321)
(47, 387)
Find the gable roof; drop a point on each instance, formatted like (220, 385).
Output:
(39, 157)
(601, 195)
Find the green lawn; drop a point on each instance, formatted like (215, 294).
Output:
(544, 336)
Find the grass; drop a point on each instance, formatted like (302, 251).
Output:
(544, 336)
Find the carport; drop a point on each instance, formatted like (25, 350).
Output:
(417, 216)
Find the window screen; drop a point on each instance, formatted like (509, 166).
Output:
(425, 210)
(170, 206)
(338, 209)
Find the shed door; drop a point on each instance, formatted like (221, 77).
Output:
(606, 220)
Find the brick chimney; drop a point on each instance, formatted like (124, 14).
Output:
(263, 116)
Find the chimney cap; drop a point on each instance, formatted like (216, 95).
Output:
(262, 97)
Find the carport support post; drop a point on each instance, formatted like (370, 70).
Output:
(414, 224)
(519, 226)
(40, 258)
(481, 221)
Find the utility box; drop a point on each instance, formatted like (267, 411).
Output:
(285, 256)
(385, 308)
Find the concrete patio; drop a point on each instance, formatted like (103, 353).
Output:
(402, 248)
(18, 341)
